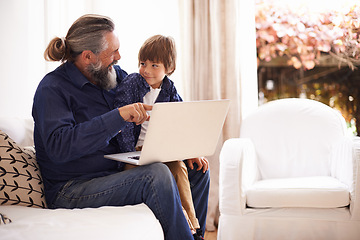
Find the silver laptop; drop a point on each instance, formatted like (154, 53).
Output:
(178, 131)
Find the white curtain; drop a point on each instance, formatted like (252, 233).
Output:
(219, 62)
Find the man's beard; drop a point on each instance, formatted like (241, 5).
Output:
(103, 77)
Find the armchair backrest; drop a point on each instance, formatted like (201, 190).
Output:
(293, 137)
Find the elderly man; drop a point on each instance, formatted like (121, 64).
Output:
(76, 124)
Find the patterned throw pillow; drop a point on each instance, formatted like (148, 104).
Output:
(20, 178)
(4, 219)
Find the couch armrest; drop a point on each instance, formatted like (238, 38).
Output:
(345, 160)
(355, 194)
(238, 170)
(342, 162)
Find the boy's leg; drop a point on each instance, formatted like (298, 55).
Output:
(153, 185)
(128, 166)
(179, 171)
(199, 184)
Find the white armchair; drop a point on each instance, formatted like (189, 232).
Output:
(293, 174)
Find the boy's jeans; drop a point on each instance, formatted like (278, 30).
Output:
(152, 184)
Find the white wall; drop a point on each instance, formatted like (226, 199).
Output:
(21, 64)
(28, 25)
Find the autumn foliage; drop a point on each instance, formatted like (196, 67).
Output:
(304, 38)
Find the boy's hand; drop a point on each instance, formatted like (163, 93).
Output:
(135, 112)
(202, 163)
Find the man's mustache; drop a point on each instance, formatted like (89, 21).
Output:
(113, 63)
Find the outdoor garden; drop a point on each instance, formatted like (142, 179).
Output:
(310, 53)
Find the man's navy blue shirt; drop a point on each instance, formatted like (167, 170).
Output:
(75, 125)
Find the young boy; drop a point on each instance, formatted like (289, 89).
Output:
(157, 61)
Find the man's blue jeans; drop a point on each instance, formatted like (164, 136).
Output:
(152, 184)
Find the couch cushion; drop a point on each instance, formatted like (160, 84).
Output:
(316, 192)
(128, 222)
(20, 178)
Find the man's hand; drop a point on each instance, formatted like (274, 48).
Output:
(202, 163)
(135, 112)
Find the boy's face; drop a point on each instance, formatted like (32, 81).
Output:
(153, 72)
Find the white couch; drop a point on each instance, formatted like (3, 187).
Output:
(21, 187)
(293, 174)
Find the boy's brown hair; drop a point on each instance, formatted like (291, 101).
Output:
(159, 49)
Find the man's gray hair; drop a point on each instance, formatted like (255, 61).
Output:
(86, 33)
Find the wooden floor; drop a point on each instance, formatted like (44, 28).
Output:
(210, 235)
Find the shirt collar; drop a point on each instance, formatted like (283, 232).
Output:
(76, 77)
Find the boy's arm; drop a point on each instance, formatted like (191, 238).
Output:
(202, 162)
(176, 97)
(120, 73)
(125, 93)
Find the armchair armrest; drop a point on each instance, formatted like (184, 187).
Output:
(237, 154)
(355, 194)
(345, 166)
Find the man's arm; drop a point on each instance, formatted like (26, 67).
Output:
(65, 139)
(135, 113)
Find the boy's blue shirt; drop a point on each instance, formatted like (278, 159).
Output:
(131, 90)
